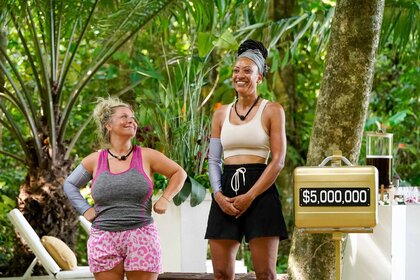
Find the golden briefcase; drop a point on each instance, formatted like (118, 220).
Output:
(341, 199)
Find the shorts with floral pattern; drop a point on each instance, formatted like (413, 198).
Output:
(138, 248)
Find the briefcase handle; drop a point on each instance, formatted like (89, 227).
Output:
(327, 159)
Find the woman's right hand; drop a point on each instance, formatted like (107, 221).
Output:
(90, 214)
(226, 204)
(161, 205)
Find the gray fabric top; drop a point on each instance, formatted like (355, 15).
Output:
(123, 201)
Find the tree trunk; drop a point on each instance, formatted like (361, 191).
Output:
(340, 116)
(285, 91)
(285, 79)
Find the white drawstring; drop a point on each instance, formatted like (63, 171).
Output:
(234, 182)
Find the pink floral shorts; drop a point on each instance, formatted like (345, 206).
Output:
(139, 249)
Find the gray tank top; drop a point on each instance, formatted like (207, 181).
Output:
(123, 200)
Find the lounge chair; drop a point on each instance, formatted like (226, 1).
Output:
(42, 256)
(86, 225)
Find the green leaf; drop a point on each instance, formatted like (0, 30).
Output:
(150, 73)
(275, 58)
(285, 59)
(8, 201)
(227, 41)
(252, 27)
(398, 117)
(221, 6)
(198, 192)
(204, 43)
(183, 194)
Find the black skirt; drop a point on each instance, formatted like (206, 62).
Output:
(263, 218)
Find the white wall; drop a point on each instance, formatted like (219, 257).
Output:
(412, 256)
(391, 253)
(181, 230)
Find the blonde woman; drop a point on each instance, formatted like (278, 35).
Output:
(123, 238)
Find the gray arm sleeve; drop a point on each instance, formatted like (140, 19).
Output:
(215, 164)
(76, 180)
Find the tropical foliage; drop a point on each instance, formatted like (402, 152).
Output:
(395, 88)
(172, 60)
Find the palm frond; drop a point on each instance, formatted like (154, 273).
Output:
(140, 19)
(48, 102)
(400, 25)
(22, 105)
(66, 65)
(312, 25)
(12, 126)
(12, 155)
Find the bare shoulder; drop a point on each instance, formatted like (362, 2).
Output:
(146, 151)
(217, 121)
(220, 112)
(150, 153)
(274, 109)
(92, 157)
(90, 161)
(156, 161)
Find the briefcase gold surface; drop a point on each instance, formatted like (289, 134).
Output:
(335, 198)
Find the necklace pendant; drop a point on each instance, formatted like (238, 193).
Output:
(123, 157)
(242, 117)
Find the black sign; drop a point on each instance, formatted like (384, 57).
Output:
(339, 196)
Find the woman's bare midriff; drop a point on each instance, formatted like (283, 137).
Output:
(244, 159)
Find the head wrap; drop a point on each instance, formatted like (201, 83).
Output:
(256, 57)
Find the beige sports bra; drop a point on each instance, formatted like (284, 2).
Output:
(245, 139)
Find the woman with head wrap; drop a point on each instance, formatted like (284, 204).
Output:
(246, 202)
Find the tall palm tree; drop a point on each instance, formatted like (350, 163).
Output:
(56, 48)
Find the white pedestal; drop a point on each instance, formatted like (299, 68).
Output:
(412, 259)
(391, 253)
(181, 230)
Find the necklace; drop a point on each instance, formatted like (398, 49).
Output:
(123, 157)
(242, 117)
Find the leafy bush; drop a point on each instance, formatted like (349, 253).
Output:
(393, 102)
(9, 188)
